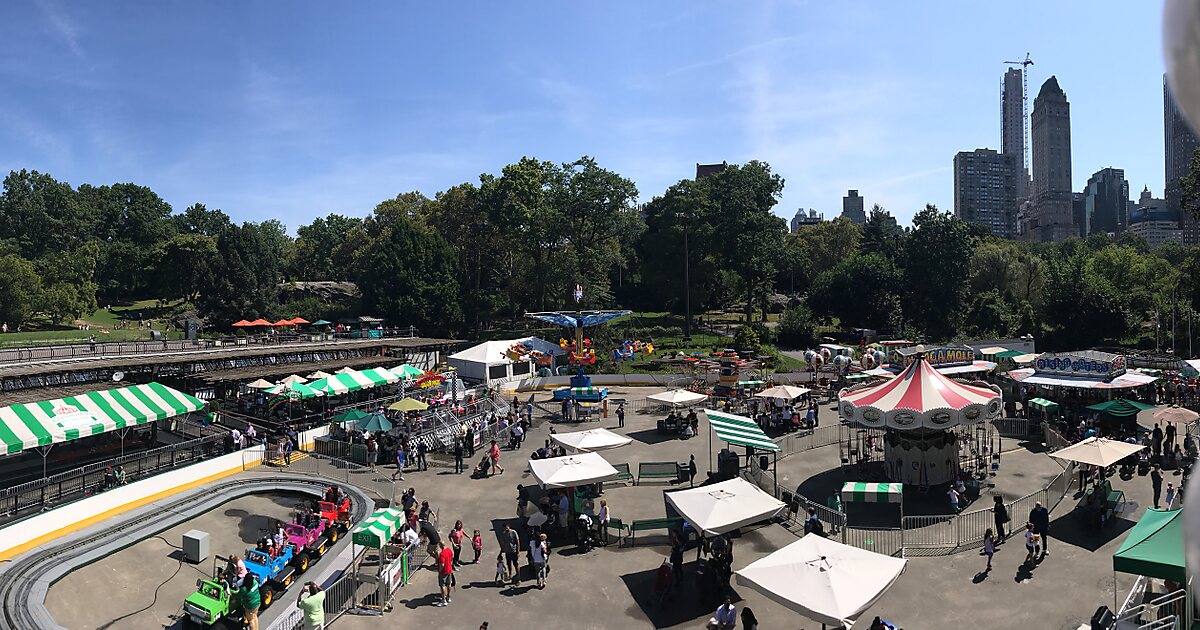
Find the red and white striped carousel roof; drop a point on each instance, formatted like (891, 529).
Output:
(920, 388)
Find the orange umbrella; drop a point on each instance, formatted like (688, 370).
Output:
(260, 322)
(298, 320)
(282, 322)
(242, 322)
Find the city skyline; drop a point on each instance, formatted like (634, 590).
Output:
(316, 111)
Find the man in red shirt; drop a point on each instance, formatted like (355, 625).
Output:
(445, 572)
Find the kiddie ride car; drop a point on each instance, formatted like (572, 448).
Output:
(214, 600)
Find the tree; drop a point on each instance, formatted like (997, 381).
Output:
(827, 243)
(746, 338)
(185, 266)
(881, 233)
(936, 269)
(410, 275)
(69, 280)
(20, 292)
(861, 291)
(40, 215)
(198, 219)
(319, 249)
(797, 327)
(1079, 311)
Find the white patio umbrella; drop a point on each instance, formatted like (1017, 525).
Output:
(1176, 415)
(1098, 451)
(294, 378)
(260, 384)
(826, 581)
(318, 375)
(591, 440)
(786, 392)
(726, 506)
(677, 397)
(573, 470)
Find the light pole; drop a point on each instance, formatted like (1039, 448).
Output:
(687, 284)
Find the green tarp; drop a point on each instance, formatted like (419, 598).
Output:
(1120, 407)
(739, 430)
(1009, 354)
(1154, 547)
(871, 492)
(379, 528)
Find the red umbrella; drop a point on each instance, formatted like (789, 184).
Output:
(241, 322)
(282, 322)
(260, 322)
(299, 320)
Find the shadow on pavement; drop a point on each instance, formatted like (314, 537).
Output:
(651, 436)
(1073, 528)
(683, 605)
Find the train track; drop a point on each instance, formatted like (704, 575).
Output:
(25, 582)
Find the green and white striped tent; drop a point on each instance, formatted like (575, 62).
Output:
(739, 430)
(383, 373)
(31, 425)
(295, 391)
(751, 383)
(588, 391)
(407, 371)
(350, 381)
(1043, 404)
(379, 528)
(872, 492)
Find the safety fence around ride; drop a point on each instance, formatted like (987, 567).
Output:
(344, 594)
(805, 440)
(379, 483)
(1013, 427)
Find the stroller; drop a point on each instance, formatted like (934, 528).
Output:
(482, 469)
(585, 537)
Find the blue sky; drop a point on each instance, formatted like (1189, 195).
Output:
(292, 110)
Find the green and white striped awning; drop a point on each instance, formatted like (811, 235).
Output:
(739, 430)
(295, 391)
(588, 391)
(407, 371)
(32, 425)
(751, 383)
(381, 373)
(379, 528)
(1042, 403)
(871, 492)
(351, 381)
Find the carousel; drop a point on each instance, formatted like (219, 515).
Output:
(922, 413)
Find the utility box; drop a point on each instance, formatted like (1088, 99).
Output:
(195, 546)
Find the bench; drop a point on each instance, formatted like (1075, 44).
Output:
(657, 470)
(652, 524)
(620, 526)
(623, 473)
(1103, 500)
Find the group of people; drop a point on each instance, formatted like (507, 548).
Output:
(1037, 533)
(785, 415)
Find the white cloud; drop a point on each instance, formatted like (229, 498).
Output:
(62, 25)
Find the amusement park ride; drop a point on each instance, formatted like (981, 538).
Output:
(579, 348)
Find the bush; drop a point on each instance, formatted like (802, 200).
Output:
(797, 327)
(746, 338)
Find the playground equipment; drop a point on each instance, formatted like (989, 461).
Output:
(629, 349)
(579, 349)
(524, 351)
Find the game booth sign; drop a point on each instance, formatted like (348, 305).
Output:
(948, 360)
(1088, 369)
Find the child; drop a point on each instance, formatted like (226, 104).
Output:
(989, 547)
(501, 570)
(477, 545)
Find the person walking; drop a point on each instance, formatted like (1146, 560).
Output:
(677, 564)
(954, 498)
(251, 600)
(989, 548)
(621, 415)
(445, 572)
(477, 545)
(501, 570)
(1039, 516)
(1030, 544)
(458, 456)
(512, 549)
(692, 470)
(399, 464)
(1156, 483)
(1170, 496)
(1000, 517)
(372, 453)
(1169, 436)
(456, 537)
(602, 519)
(422, 463)
(749, 621)
(1156, 441)
(311, 603)
(537, 556)
(529, 410)
(494, 454)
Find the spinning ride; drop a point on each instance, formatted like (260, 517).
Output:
(579, 349)
(919, 410)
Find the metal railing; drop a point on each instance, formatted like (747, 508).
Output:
(1054, 439)
(1012, 427)
(805, 440)
(340, 598)
(79, 483)
(1165, 611)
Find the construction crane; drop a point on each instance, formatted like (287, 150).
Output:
(1024, 103)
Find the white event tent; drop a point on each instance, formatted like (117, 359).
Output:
(824, 580)
(488, 362)
(726, 506)
(591, 440)
(572, 470)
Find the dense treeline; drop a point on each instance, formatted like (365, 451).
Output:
(519, 240)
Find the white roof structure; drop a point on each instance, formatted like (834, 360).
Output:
(591, 440)
(726, 506)
(1097, 451)
(572, 470)
(823, 580)
(677, 397)
(920, 397)
(785, 392)
(1029, 376)
(495, 352)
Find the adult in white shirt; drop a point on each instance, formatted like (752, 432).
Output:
(602, 519)
(725, 617)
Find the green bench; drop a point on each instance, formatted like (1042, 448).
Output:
(652, 524)
(623, 473)
(657, 470)
(620, 526)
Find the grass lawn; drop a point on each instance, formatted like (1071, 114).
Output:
(45, 333)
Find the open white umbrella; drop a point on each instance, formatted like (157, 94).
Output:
(1176, 415)
(1098, 451)
(677, 397)
(260, 384)
(573, 470)
(785, 392)
(318, 375)
(826, 581)
(591, 440)
(294, 378)
(726, 506)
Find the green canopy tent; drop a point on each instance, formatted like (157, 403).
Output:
(1120, 408)
(376, 531)
(354, 415)
(1043, 404)
(875, 492)
(739, 431)
(407, 371)
(295, 391)
(1154, 548)
(375, 422)
(1009, 354)
(350, 381)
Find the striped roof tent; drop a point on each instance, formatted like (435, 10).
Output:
(739, 430)
(295, 391)
(382, 373)
(378, 528)
(32, 425)
(1042, 403)
(350, 381)
(407, 371)
(588, 391)
(869, 492)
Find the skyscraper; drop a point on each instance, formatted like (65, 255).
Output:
(1179, 143)
(1106, 202)
(852, 208)
(985, 190)
(1012, 126)
(1050, 217)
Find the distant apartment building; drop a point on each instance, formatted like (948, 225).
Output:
(1179, 144)
(802, 218)
(704, 170)
(1156, 225)
(1012, 126)
(1106, 202)
(985, 190)
(1051, 216)
(1079, 214)
(852, 208)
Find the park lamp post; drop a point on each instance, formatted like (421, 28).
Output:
(687, 282)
